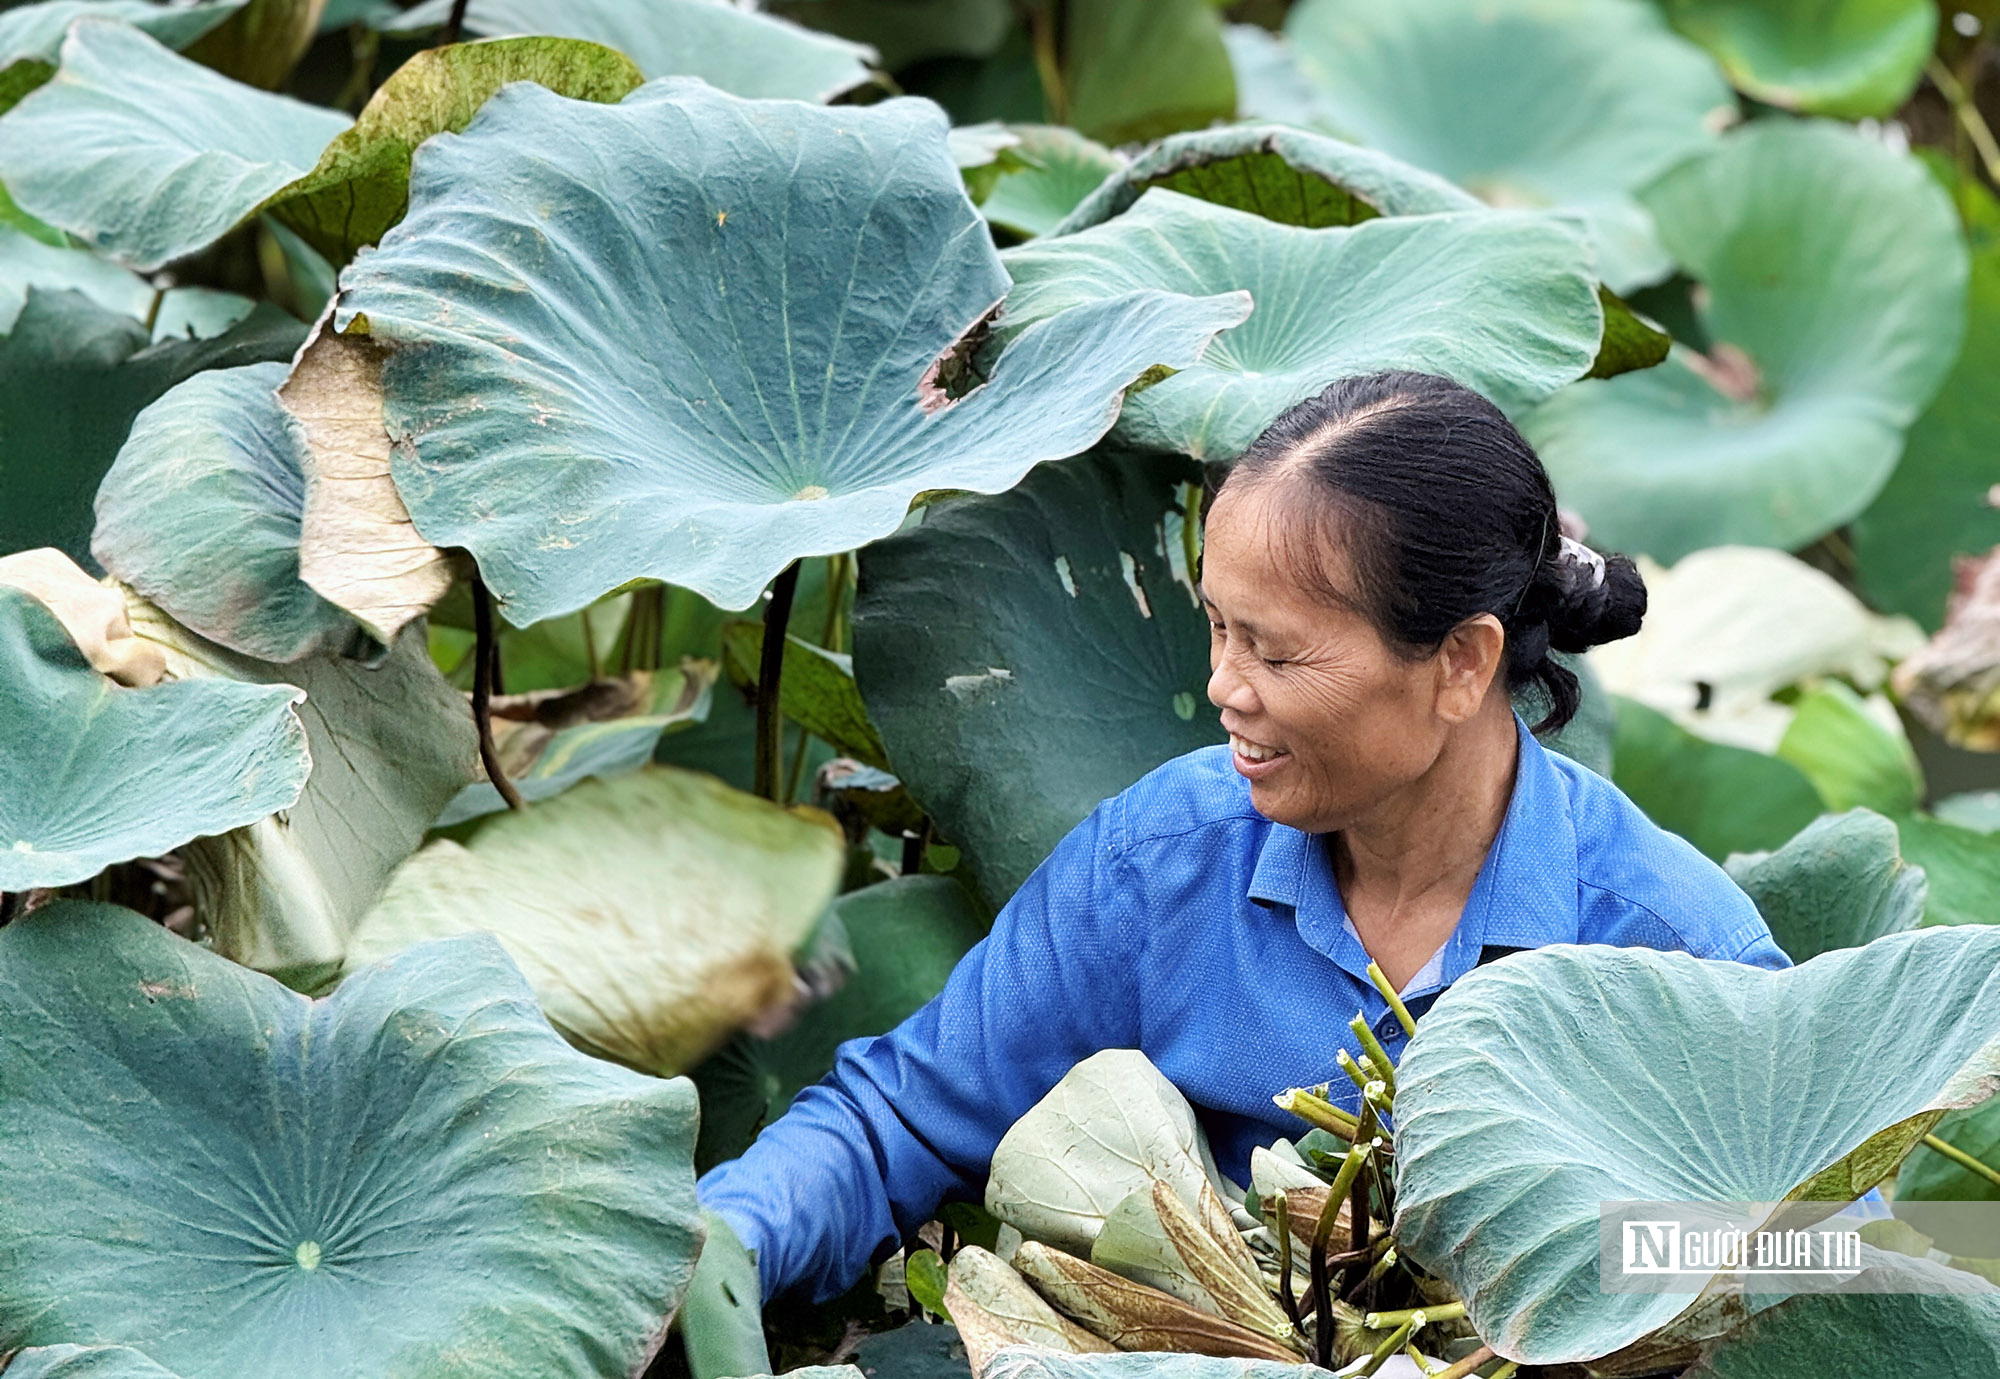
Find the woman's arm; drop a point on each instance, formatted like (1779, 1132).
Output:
(910, 1118)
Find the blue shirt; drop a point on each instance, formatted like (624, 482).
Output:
(1177, 920)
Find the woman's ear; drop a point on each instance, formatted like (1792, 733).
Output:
(1467, 661)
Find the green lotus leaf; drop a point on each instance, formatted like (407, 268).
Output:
(906, 31)
(1834, 280)
(390, 743)
(200, 513)
(1723, 799)
(654, 912)
(1963, 866)
(1978, 810)
(1852, 58)
(736, 50)
(31, 35)
(722, 1323)
(420, 1136)
(1543, 1085)
(1853, 757)
(1029, 654)
(1935, 506)
(360, 186)
(1816, 1336)
(1928, 1176)
(1050, 170)
(792, 397)
(84, 1362)
(1133, 72)
(1567, 104)
(1503, 303)
(147, 156)
(26, 262)
(1292, 176)
(262, 42)
(1590, 737)
(817, 691)
(199, 313)
(93, 773)
(1840, 883)
(72, 377)
(572, 755)
(1025, 1363)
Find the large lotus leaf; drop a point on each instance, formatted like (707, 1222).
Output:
(1029, 654)
(1292, 176)
(93, 773)
(1977, 810)
(1840, 883)
(72, 377)
(26, 262)
(412, 1178)
(262, 42)
(1027, 1363)
(654, 912)
(390, 744)
(1721, 798)
(146, 155)
(1568, 104)
(1566, 1076)
(1133, 72)
(1728, 627)
(1850, 58)
(1935, 505)
(1834, 273)
(1111, 1125)
(84, 1362)
(360, 185)
(1853, 750)
(729, 47)
(1048, 170)
(31, 35)
(712, 356)
(1928, 1176)
(200, 513)
(1504, 303)
(1963, 867)
(1861, 1334)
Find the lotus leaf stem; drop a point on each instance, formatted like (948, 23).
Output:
(485, 673)
(1322, 1282)
(1465, 1365)
(1963, 1159)
(1394, 1343)
(1439, 1312)
(1376, 1094)
(1191, 532)
(1317, 1111)
(770, 672)
(1506, 1371)
(455, 25)
(1381, 980)
(1354, 1071)
(1967, 113)
(1376, 1053)
(1382, 1265)
(1285, 1293)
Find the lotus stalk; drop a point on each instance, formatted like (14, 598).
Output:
(1384, 1068)
(1317, 1111)
(1382, 984)
(1322, 1284)
(1423, 1316)
(1376, 1094)
(1963, 1159)
(1468, 1364)
(1394, 1343)
(770, 669)
(1356, 1074)
(485, 681)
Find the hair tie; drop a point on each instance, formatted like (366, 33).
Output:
(1576, 553)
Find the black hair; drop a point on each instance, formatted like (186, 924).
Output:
(1444, 512)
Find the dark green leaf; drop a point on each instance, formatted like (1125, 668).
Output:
(1840, 883)
(1722, 799)
(1139, 71)
(817, 691)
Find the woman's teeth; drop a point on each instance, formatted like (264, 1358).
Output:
(1252, 751)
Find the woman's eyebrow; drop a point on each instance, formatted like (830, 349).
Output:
(1207, 602)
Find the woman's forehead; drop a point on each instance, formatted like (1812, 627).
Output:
(1264, 544)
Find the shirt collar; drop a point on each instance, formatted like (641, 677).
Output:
(1525, 895)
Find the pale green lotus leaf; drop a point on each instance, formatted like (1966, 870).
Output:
(1052, 169)
(1963, 866)
(1978, 810)
(654, 912)
(1025, 1363)
(577, 754)
(93, 772)
(722, 1324)
(1133, 72)
(1912, 1331)
(1853, 750)
(84, 1362)
(420, 1136)
(1840, 883)
(360, 186)
(26, 262)
(736, 337)
(1722, 798)
(1503, 303)
(1928, 1176)
(31, 35)
(1850, 58)
(1292, 176)
(199, 313)
(391, 743)
(1728, 627)
(200, 514)
(729, 47)
(1834, 273)
(1051, 637)
(1543, 1085)
(147, 156)
(72, 377)
(1571, 105)
(1113, 1124)
(906, 31)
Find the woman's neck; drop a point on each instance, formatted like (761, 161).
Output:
(1406, 871)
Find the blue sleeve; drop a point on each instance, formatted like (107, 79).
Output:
(910, 1119)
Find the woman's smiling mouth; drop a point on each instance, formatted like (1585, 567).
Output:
(1254, 759)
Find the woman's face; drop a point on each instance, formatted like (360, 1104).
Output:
(1326, 721)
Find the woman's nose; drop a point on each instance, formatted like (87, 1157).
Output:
(1229, 690)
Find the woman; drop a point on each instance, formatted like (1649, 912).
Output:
(1381, 571)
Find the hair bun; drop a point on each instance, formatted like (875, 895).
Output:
(1590, 599)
